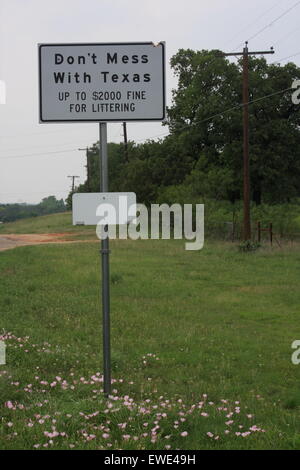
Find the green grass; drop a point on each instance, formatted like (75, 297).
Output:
(54, 223)
(221, 323)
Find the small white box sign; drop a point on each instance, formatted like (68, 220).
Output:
(103, 208)
(102, 82)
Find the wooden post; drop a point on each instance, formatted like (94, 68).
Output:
(271, 233)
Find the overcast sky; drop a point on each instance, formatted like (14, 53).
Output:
(28, 171)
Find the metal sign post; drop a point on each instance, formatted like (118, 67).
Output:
(105, 263)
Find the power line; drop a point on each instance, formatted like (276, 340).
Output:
(255, 21)
(42, 147)
(54, 145)
(285, 58)
(241, 105)
(286, 36)
(69, 129)
(228, 110)
(36, 192)
(274, 21)
(263, 14)
(38, 154)
(151, 137)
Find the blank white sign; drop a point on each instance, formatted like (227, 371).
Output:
(103, 208)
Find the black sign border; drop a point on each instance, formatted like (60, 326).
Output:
(44, 121)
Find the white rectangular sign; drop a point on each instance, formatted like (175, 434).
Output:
(103, 208)
(102, 82)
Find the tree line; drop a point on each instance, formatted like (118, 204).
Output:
(48, 205)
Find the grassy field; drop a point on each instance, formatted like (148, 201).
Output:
(201, 346)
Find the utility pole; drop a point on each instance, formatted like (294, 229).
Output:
(88, 169)
(246, 172)
(73, 181)
(125, 141)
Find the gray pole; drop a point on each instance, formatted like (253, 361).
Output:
(125, 142)
(105, 264)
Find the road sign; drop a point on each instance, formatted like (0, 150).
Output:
(102, 82)
(103, 208)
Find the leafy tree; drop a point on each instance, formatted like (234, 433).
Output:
(50, 204)
(209, 85)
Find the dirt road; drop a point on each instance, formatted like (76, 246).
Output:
(13, 240)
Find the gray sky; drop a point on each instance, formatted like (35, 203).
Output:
(194, 24)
